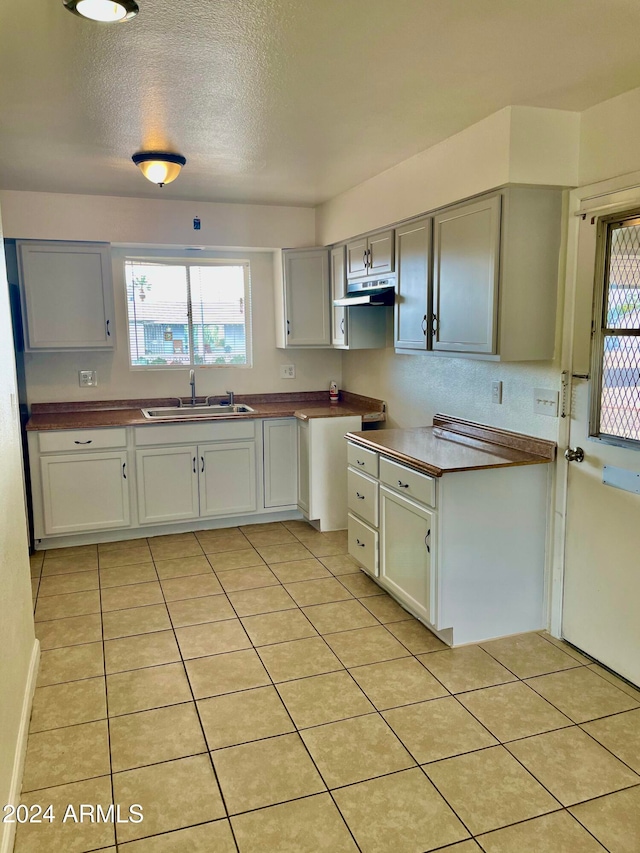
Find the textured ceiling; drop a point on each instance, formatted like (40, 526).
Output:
(285, 101)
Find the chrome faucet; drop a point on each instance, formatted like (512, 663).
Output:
(192, 382)
(231, 396)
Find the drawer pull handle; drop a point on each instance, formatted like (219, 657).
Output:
(403, 485)
(194, 465)
(358, 462)
(358, 542)
(124, 470)
(359, 496)
(428, 536)
(83, 442)
(202, 460)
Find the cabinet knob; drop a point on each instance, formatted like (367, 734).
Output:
(361, 544)
(359, 496)
(403, 485)
(358, 462)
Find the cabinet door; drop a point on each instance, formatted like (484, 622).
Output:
(407, 535)
(465, 277)
(85, 492)
(304, 467)
(307, 298)
(357, 260)
(67, 294)
(227, 478)
(167, 479)
(280, 462)
(380, 253)
(338, 290)
(413, 252)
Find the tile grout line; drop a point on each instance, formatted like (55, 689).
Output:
(197, 710)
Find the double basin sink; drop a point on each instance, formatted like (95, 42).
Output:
(188, 412)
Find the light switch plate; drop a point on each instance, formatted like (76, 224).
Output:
(87, 378)
(287, 371)
(545, 402)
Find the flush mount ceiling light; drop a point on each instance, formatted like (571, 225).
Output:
(159, 167)
(108, 11)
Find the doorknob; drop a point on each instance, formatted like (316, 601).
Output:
(574, 454)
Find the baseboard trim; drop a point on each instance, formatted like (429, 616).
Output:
(9, 829)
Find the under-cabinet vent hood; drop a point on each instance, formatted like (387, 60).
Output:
(381, 292)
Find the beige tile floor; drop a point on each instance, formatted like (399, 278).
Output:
(254, 691)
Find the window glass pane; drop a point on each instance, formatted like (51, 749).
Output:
(219, 314)
(623, 291)
(157, 305)
(620, 397)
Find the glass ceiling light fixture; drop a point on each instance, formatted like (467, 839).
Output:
(106, 11)
(159, 167)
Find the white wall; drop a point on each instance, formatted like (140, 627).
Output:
(140, 221)
(16, 621)
(147, 222)
(609, 138)
(522, 145)
(517, 145)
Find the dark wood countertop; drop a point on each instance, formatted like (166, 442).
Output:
(119, 413)
(452, 444)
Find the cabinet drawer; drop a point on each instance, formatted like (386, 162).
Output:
(362, 460)
(408, 482)
(195, 433)
(61, 441)
(363, 544)
(362, 496)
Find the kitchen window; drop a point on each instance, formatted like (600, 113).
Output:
(615, 403)
(184, 314)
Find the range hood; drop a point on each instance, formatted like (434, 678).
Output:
(378, 292)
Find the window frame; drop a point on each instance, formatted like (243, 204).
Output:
(188, 262)
(600, 331)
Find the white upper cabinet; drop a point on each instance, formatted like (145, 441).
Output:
(371, 255)
(494, 270)
(413, 255)
(67, 295)
(338, 291)
(357, 327)
(303, 317)
(465, 277)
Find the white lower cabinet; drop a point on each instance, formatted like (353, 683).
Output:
(280, 449)
(407, 535)
(322, 469)
(167, 479)
(227, 473)
(84, 491)
(465, 552)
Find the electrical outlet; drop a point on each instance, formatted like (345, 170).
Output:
(87, 378)
(496, 391)
(287, 371)
(545, 402)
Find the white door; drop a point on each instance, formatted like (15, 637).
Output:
(601, 604)
(227, 478)
(413, 250)
(83, 492)
(280, 443)
(338, 291)
(357, 258)
(380, 253)
(407, 535)
(167, 480)
(307, 298)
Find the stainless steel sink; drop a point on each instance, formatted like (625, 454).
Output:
(174, 413)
